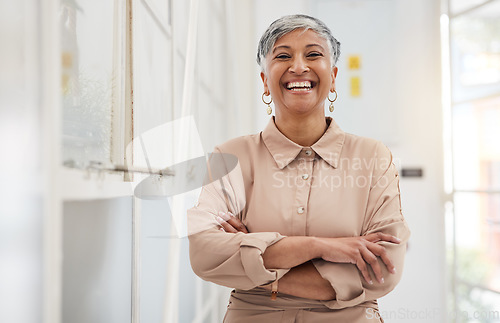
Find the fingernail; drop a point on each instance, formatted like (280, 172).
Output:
(382, 280)
(231, 214)
(219, 219)
(398, 240)
(222, 229)
(394, 270)
(370, 282)
(224, 216)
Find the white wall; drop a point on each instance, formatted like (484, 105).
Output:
(423, 288)
(27, 119)
(21, 197)
(399, 45)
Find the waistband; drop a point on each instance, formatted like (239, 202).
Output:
(261, 298)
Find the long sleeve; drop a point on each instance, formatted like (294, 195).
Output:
(383, 214)
(232, 260)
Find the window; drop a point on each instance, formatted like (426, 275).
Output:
(136, 77)
(92, 80)
(473, 114)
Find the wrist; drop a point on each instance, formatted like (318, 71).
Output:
(316, 248)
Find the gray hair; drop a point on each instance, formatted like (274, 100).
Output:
(287, 24)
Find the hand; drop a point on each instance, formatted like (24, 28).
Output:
(360, 251)
(229, 223)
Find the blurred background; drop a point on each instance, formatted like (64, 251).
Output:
(90, 88)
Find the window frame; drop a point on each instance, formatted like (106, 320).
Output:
(451, 190)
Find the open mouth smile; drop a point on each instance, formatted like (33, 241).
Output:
(302, 86)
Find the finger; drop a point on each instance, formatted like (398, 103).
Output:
(235, 222)
(238, 225)
(226, 226)
(390, 238)
(364, 271)
(372, 237)
(380, 251)
(224, 215)
(371, 259)
(380, 236)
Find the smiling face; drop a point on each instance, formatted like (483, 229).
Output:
(298, 73)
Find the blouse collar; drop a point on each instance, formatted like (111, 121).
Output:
(284, 151)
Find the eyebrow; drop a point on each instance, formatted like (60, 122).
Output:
(278, 47)
(288, 47)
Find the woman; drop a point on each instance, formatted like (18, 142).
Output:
(308, 226)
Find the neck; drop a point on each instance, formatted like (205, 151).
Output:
(304, 131)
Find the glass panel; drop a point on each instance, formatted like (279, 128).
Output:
(97, 261)
(478, 306)
(87, 79)
(475, 53)
(161, 9)
(477, 225)
(188, 280)
(457, 6)
(152, 74)
(155, 241)
(212, 68)
(476, 149)
(156, 238)
(180, 12)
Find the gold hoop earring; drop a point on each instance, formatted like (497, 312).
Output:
(269, 109)
(331, 101)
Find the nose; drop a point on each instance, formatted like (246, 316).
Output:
(299, 65)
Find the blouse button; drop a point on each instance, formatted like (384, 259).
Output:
(305, 176)
(300, 210)
(308, 153)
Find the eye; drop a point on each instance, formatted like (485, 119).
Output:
(314, 54)
(282, 56)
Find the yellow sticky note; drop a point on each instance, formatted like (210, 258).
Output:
(355, 86)
(67, 59)
(65, 83)
(354, 62)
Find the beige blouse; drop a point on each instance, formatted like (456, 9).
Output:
(342, 186)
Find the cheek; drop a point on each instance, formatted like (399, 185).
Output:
(324, 71)
(273, 82)
(330, 79)
(275, 72)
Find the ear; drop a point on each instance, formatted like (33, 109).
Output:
(334, 76)
(264, 81)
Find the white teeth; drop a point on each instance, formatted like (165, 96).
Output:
(300, 89)
(299, 85)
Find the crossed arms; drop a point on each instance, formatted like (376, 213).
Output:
(303, 279)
